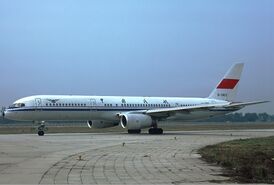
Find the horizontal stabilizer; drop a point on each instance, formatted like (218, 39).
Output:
(245, 104)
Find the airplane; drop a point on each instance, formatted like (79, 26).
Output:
(132, 113)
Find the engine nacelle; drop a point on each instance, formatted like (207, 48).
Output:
(135, 121)
(101, 124)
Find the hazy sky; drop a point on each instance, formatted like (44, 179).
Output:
(141, 47)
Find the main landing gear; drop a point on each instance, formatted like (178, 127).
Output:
(150, 131)
(155, 130)
(134, 131)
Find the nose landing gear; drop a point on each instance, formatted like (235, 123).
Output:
(41, 129)
(41, 133)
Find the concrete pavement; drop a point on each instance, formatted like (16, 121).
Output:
(112, 158)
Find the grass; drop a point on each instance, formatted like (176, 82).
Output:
(82, 127)
(247, 160)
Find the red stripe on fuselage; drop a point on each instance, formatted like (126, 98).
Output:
(228, 84)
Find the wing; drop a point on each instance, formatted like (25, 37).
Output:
(167, 112)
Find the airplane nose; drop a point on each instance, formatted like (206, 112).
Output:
(11, 115)
(7, 115)
(3, 111)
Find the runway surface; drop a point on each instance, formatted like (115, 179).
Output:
(112, 158)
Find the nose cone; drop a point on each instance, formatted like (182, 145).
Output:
(9, 114)
(3, 111)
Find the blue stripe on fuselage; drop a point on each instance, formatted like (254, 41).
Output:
(68, 109)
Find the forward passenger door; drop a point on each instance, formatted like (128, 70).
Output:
(38, 104)
(93, 104)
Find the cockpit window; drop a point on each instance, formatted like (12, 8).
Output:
(17, 105)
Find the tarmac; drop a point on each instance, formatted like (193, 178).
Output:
(113, 158)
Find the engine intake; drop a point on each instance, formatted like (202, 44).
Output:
(101, 124)
(135, 121)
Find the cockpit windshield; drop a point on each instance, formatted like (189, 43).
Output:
(17, 105)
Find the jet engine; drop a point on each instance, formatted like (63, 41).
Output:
(101, 124)
(135, 121)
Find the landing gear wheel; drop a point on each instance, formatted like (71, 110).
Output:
(135, 131)
(155, 131)
(41, 129)
(41, 133)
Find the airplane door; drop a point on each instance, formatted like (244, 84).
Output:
(93, 104)
(38, 103)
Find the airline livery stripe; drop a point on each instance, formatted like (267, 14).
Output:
(83, 110)
(228, 84)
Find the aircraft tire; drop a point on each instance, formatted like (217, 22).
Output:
(41, 133)
(155, 131)
(134, 131)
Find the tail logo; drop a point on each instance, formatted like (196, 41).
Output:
(228, 84)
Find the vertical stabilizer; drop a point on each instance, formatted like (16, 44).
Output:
(227, 87)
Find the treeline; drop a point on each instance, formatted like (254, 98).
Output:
(241, 117)
(234, 117)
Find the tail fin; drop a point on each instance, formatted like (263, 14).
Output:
(227, 87)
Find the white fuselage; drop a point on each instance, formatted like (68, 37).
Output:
(60, 107)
